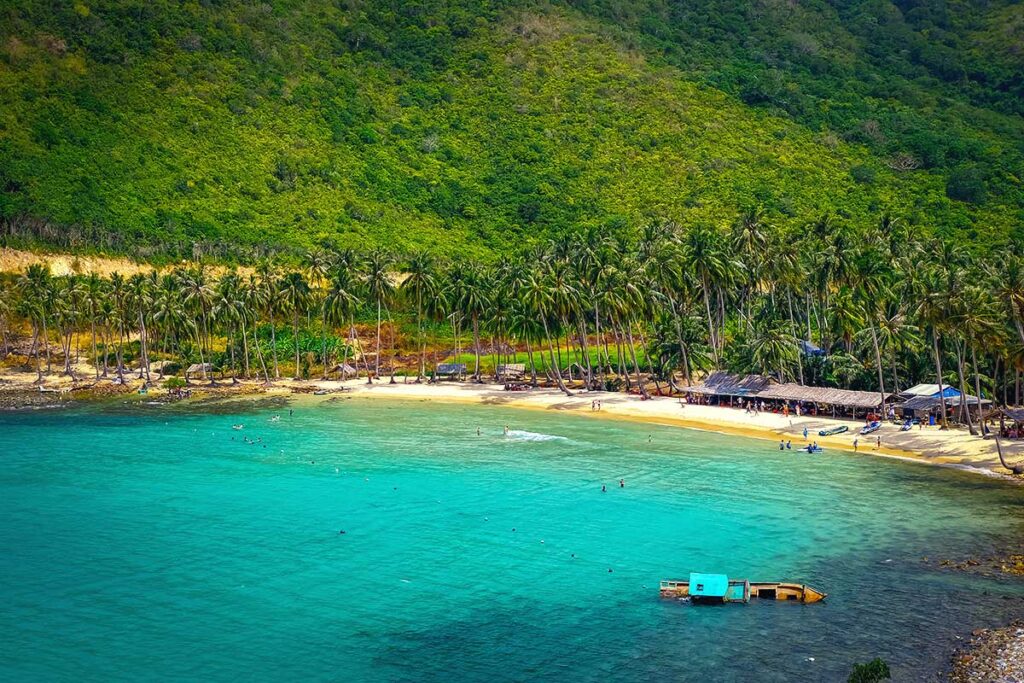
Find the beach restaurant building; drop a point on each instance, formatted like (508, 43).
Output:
(924, 402)
(722, 388)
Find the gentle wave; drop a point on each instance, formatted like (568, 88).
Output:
(523, 435)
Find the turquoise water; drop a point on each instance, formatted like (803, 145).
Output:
(154, 542)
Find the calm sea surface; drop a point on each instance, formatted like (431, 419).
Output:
(148, 542)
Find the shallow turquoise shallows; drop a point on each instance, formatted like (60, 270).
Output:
(150, 542)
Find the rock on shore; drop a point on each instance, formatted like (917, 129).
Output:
(993, 656)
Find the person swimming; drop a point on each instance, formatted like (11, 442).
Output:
(604, 489)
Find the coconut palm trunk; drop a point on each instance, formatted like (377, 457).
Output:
(554, 364)
(938, 373)
(878, 364)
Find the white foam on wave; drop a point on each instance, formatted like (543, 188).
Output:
(523, 435)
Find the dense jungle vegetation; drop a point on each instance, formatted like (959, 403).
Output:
(165, 129)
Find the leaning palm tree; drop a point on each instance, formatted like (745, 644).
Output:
(379, 288)
(295, 295)
(536, 293)
(252, 303)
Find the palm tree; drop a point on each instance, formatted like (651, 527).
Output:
(339, 305)
(36, 292)
(139, 298)
(169, 315)
(538, 298)
(774, 348)
(95, 291)
(421, 286)
(272, 303)
(6, 297)
(295, 294)
(252, 303)
(472, 301)
(198, 296)
(228, 308)
(380, 288)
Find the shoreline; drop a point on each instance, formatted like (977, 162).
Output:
(953, 448)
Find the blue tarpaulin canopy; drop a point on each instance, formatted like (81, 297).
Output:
(709, 585)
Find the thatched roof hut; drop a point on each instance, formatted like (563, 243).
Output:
(199, 368)
(823, 395)
(726, 384)
(345, 369)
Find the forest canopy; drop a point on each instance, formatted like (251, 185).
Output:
(152, 127)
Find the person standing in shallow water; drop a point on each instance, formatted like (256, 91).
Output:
(622, 483)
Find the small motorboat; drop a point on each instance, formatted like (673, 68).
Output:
(871, 427)
(907, 425)
(321, 392)
(835, 430)
(811, 449)
(238, 426)
(719, 588)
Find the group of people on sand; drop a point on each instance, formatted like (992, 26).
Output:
(595, 405)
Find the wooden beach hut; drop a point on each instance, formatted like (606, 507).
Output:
(929, 408)
(202, 369)
(345, 370)
(510, 371)
(453, 371)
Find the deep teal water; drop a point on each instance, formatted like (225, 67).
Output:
(144, 542)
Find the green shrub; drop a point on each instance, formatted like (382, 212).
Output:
(872, 672)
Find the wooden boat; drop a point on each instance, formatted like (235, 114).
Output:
(835, 430)
(718, 588)
(871, 427)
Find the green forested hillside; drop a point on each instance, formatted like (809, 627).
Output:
(151, 126)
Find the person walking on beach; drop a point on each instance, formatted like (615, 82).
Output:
(878, 442)
(856, 441)
(805, 433)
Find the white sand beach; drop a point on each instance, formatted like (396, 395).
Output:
(954, 447)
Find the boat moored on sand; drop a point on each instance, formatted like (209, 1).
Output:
(835, 430)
